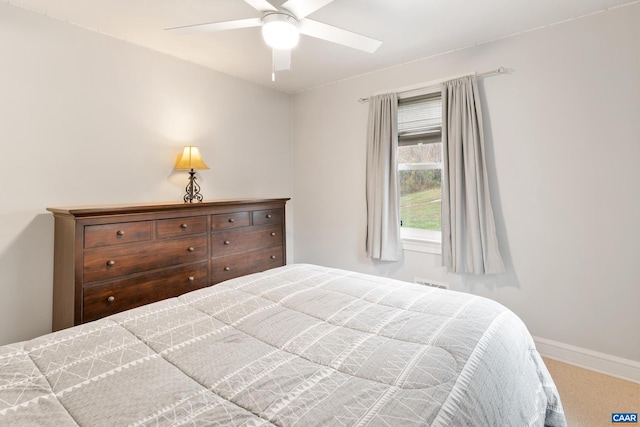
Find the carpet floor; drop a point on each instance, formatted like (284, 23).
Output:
(589, 398)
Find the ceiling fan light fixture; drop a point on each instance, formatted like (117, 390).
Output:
(280, 31)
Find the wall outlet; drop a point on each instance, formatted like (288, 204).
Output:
(432, 283)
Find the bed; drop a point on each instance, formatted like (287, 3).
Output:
(299, 345)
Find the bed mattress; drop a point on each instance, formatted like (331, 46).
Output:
(298, 345)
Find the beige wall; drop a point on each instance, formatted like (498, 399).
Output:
(88, 119)
(563, 148)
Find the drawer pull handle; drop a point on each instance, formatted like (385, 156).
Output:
(226, 242)
(191, 278)
(191, 249)
(111, 262)
(227, 269)
(268, 216)
(273, 257)
(184, 225)
(120, 233)
(111, 299)
(232, 220)
(273, 234)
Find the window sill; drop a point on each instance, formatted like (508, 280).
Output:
(421, 245)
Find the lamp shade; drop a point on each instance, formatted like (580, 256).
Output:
(280, 31)
(191, 159)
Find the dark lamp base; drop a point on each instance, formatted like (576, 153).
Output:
(193, 189)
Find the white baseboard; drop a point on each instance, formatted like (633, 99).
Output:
(603, 363)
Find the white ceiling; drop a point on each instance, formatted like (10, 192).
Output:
(408, 29)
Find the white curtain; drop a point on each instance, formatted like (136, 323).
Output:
(383, 204)
(469, 242)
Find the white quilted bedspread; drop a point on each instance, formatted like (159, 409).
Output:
(298, 345)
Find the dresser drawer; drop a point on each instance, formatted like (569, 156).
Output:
(267, 216)
(111, 262)
(231, 242)
(114, 297)
(115, 234)
(230, 220)
(226, 268)
(177, 227)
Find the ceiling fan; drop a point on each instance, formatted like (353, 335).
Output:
(281, 28)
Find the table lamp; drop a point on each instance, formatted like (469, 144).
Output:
(191, 160)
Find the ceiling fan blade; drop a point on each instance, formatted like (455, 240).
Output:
(281, 59)
(216, 26)
(261, 5)
(338, 35)
(302, 8)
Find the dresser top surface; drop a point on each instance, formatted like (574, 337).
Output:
(92, 210)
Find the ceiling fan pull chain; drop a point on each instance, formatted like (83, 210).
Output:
(273, 65)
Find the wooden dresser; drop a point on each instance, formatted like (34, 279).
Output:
(109, 259)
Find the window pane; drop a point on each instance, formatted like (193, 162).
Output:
(421, 153)
(419, 158)
(420, 198)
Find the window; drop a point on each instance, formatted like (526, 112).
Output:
(420, 171)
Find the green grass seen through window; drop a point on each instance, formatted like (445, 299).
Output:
(421, 210)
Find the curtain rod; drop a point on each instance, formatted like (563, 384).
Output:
(500, 70)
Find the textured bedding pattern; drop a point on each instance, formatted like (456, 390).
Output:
(298, 345)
